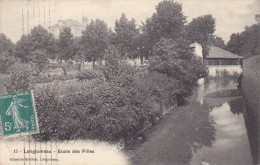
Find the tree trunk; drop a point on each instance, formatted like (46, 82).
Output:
(65, 73)
(142, 60)
(93, 64)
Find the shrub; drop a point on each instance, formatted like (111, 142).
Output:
(115, 68)
(105, 112)
(50, 78)
(20, 77)
(158, 86)
(6, 60)
(48, 112)
(40, 59)
(88, 75)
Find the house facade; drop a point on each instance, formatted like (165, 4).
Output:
(221, 63)
(75, 26)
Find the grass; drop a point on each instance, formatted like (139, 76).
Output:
(62, 88)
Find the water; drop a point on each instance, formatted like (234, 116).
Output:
(230, 139)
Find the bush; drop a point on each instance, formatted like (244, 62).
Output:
(116, 70)
(50, 78)
(105, 112)
(159, 86)
(117, 107)
(176, 60)
(40, 59)
(20, 77)
(49, 113)
(6, 60)
(88, 75)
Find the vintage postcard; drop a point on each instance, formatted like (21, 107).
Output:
(129, 82)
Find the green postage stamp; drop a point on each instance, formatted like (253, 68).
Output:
(18, 114)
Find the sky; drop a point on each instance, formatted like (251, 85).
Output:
(231, 15)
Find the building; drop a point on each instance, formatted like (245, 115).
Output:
(223, 63)
(75, 26)
(197, 49)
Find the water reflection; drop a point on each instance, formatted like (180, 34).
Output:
(236, 106)
(215, 127)
(182, 135)
(226, 107)
(198, 132)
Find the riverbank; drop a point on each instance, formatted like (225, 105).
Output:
(199, 131)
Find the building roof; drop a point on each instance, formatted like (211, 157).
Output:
(67, 23)
(216, 52)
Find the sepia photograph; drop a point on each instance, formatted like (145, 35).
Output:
(129, 82)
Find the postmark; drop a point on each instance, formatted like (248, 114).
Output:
(18, 114)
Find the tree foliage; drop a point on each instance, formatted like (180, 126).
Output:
(167, 22)
(175, 59)
(6, 44)
(6, 60)
(22, 48)
(41, 40)
(218, 42)
(66, 44)
(200, 30)
(38, 40)
(39, 58)
(20, 78)
(95, 40)
(115, 69)
(246, 43)
(125, 30)
(140, 46)
(6, 53)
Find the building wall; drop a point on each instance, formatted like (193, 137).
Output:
(251, 95)
(219, 70)
(54, 31)
(77, 32)
(251, 80)
(197, 48)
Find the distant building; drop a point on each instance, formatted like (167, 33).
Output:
(221, 62)
(76, 27)
(197, 49)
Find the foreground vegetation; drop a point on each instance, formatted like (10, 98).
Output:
(114, 101)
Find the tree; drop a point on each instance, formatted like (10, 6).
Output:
(6, 60)
(6, 44)
(218, 42)
(95, 40)
(125, 30)
(200, 30)
(168, 22)
(38, 40)
(140, 47)
(6, 53)
(65, 44)
(41, 40)
(246, 43)
(234, 44)
(176, 60)
(22, 48)
(39, 58)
